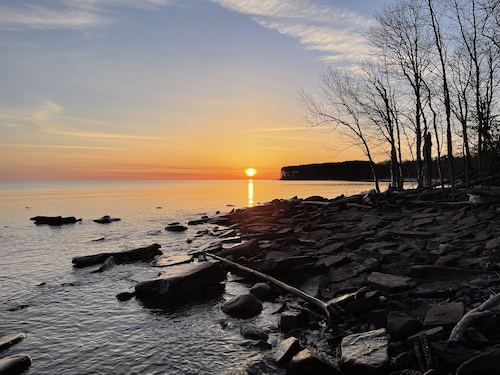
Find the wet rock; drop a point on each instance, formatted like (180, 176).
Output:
(243, 250)
(252, 332)
(292, 320)
(171, 260)
(175, 227)
(106, 219)
(264, 291)
(365, 353)
(54, 220)
(125, 296)
(15, 364)
(308, 361)
(447, 314)
(286, 350)
(143, 254)
(9, 340)
(242, 306)
(401, 325)
(485, 364)
(179, 285)
(390, 283)
(107, 265)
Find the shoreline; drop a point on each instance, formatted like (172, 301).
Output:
(405, 267)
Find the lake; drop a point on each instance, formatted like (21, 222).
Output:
(75, 324)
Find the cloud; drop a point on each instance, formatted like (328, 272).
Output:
(49, 118)
(318, 26)
(24, 145)
(68, 14)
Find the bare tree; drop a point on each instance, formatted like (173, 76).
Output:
(337, 106)
(401, 37)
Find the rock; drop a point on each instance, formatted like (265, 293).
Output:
(175, 227)
(143, 254)
(252, 332)
(365, 353)
(171, 260)
(292, 320)
(485, 364)
(54, 220)
(243, 250)
(106, 219)
(179, 285)
(125, 296)
(14, 364)
(390, 283)
(264, 291)
(310, 362)
(107, 265)
(286, 350)
(242, 306)
(9, 340)
(446, 315)
(400, 325)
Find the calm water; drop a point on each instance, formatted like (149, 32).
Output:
(75, 325)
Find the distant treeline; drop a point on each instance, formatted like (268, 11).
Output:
(348, 171)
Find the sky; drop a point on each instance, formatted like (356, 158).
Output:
(168, 89)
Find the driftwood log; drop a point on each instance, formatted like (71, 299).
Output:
(324, 307)
(488, 308)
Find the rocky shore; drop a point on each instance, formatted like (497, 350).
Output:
(409, 281)
(401, 283)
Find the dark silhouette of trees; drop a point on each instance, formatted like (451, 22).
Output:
(432, 78)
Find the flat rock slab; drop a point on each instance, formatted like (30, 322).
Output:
(390, 283)
(365, 353)
(172, 260)
(9, 340)
(310, 362)
(54, 220)
(144, 254)
(447, 314)
(179, 285)
(286, 350)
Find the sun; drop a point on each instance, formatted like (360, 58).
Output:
(250, 172)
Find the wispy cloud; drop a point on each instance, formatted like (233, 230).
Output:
(68, 14)
(34, 145)
(49, 118)
(318, 26)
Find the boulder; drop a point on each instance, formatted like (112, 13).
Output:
(242, 306)
(308, 361)
(54, 220)
(487, 363)
(14, 364)
(365, 353)
(401, 325)
(181, 284)
(252, 332)
(286, 350)
(265, 291)
(143, 254)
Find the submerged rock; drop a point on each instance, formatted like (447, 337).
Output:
(242, 306)
(179, 285)
(106, 219)
(143, 254)
(9, 340)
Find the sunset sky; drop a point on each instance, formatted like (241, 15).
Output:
(168, 89)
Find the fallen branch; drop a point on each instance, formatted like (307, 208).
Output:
(490, 307)
(297, 292)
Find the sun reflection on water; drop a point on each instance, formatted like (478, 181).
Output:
(250, 193)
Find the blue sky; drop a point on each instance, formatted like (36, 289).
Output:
(167, 89)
